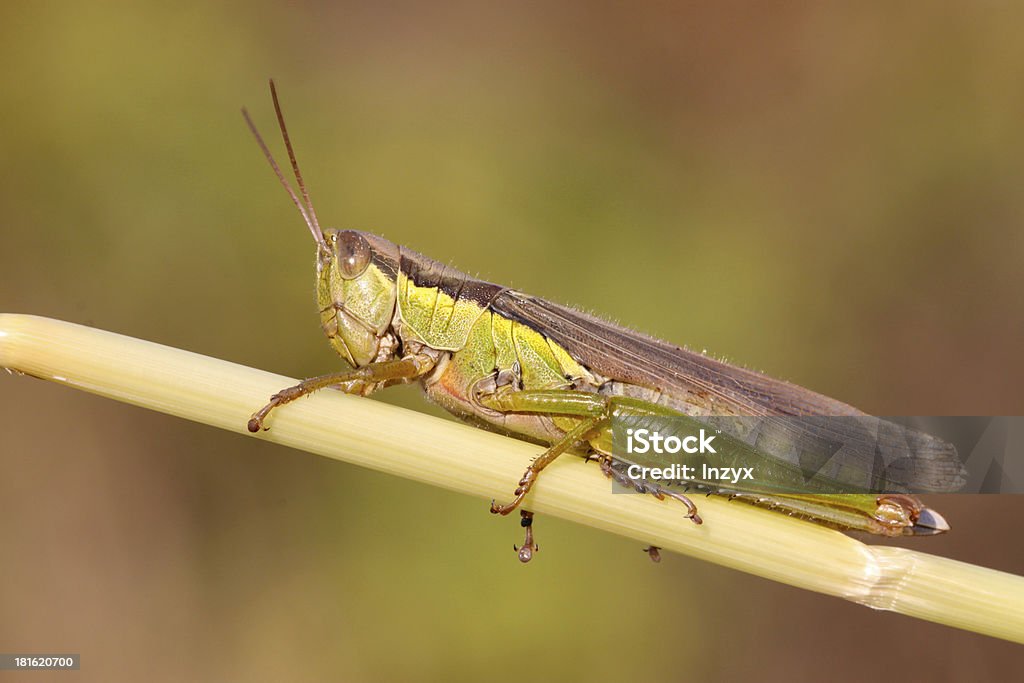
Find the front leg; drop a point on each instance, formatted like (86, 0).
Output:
(407, 368)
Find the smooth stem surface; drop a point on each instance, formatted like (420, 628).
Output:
(460, 458)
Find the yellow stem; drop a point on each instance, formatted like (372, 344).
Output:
(457, 457)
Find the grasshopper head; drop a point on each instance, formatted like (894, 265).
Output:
(356, 292)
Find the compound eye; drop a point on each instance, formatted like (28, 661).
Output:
(353, 253)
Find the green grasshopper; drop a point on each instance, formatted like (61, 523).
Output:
(523, 366)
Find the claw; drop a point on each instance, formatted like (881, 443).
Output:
(525, 484)
(529, 546)
(691, 508)
(498, 509)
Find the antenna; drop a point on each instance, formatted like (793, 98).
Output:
(306, 209)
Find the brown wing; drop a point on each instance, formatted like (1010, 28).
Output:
(625, 355)
(628, 356)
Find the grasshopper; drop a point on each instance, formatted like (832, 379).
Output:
(524, 366)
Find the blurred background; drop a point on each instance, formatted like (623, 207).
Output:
(825, 193)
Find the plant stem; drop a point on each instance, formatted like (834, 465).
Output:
(460, 458)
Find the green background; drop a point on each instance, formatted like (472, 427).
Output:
(830, 193)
